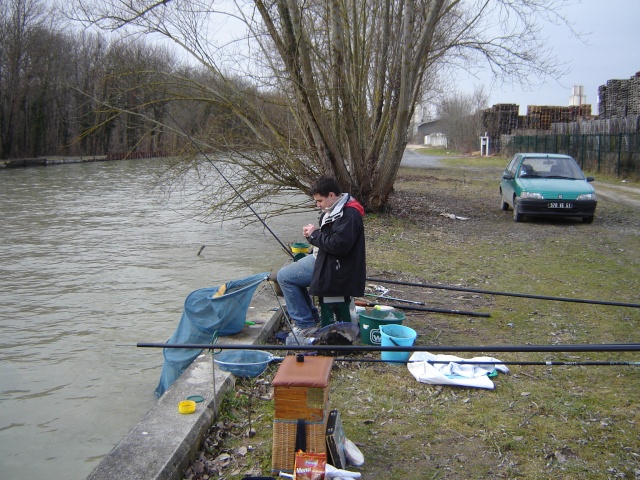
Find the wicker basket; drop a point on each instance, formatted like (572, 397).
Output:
(284, 443)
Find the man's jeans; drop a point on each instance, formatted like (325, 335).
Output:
(294, 280)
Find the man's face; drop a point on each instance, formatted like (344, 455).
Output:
(325, 203)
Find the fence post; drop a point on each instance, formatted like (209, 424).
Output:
(619, 151)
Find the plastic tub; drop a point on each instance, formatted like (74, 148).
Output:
(396, 336)
(371, 320)
(300, 247)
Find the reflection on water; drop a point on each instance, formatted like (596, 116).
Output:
(90, 264)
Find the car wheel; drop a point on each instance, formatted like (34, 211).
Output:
(504, 206)
(517, 216)
(587, 219)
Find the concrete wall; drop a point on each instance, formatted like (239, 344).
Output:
(164, 443)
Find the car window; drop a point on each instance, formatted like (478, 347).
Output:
(511, 168)
(544, 167)
(563, 168)
(571, 169)
(528, 168)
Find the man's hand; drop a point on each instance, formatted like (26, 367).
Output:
(307, 230)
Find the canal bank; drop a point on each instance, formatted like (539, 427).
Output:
(68, 160)
(48, 161)
(163, 444)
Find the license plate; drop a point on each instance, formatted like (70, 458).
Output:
(560, 205)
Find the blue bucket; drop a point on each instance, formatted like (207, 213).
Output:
(394, 336)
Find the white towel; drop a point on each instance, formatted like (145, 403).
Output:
(453, 372)
(337, 473)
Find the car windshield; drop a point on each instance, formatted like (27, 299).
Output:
(543, 167)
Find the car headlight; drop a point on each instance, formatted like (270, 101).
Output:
(587, 196)
(531, 195)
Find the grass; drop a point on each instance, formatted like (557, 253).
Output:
(540, 421)
(436, 152)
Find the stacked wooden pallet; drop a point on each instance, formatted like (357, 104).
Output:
(619, 98)
(501, 119)
(540, 117)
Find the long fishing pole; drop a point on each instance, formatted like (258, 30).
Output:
(386, 297)
(286, 249)
(611, 347)
(435, 310)
(546, 363)
(425, 309)
(443, 287)
(508, 294)
(552, 363)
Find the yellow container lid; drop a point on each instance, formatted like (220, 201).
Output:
(186, 407)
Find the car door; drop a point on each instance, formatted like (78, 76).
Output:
(508, 184)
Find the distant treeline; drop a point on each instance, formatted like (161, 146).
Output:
(76, 94)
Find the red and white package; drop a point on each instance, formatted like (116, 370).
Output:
(309, 466)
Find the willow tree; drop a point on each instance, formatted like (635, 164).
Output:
(326, 86)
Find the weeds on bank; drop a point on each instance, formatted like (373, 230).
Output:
(540, 422)
(238, 444)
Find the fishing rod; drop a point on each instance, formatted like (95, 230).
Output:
(434, 310)
(553, 363)
(508, 294)
(443, 287)
(385, 297)
(547, 363)
(424, 309)
(611, 347)
(285, 248)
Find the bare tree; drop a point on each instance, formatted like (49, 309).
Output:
(36, 72)
(327, 86)
(20, 24)
(460, 116)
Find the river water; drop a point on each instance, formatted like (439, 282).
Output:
(93, 261)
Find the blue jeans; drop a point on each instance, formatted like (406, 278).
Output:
(294, 280)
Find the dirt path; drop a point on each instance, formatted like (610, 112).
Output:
(625, 195)
(412, 158)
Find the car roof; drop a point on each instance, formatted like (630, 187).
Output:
(544, 155)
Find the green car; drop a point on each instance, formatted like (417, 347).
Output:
(541, 184)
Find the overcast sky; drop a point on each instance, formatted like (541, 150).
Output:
(610, 50)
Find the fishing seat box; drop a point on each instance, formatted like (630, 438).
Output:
(334, 309)
(300, 392)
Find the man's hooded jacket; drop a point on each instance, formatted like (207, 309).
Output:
(340, 268)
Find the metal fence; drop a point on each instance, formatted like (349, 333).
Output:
(613, 154)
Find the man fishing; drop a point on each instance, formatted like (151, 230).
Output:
(337, 266)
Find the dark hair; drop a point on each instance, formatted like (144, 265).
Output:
(325, 185)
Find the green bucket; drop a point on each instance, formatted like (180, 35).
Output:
(300, 247)
(371, 320)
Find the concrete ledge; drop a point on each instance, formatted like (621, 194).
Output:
(164, 443)
(43, 162)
